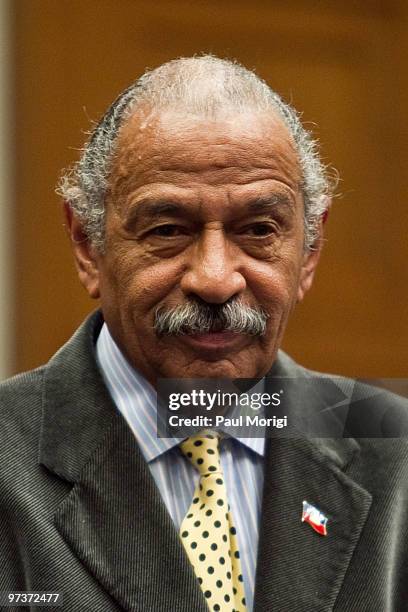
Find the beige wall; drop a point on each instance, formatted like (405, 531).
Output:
(344, 65)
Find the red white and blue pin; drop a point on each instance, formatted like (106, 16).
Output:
(316, 519)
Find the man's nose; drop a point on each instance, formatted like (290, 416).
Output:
(212, 272)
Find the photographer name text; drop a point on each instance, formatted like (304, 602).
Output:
(223, 421)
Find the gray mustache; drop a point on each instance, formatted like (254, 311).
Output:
(200, 317)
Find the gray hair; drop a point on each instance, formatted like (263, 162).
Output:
(205, 86)
(196, 316)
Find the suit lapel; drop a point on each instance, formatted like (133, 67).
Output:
(116, 523)
(298, 569)
(113, 519)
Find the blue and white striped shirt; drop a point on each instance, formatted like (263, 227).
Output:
(175, 477)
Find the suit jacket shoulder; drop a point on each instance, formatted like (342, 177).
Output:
(79, 510)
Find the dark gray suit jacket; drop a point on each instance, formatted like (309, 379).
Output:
(80, 512)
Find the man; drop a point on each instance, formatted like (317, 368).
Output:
(196, 215)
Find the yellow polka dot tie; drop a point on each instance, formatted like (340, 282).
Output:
(208, 532)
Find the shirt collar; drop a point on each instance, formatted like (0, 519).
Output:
(136, 399)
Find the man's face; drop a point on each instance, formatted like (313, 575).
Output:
(207, 211)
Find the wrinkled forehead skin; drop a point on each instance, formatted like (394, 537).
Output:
(233, 146)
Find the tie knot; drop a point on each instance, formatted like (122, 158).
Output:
(203, 452)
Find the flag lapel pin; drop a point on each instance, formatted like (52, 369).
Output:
(316, 519)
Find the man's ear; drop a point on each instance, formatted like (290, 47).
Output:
(84, 253)
(310, 260)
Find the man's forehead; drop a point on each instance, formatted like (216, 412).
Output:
(146, 127)
(173, 141)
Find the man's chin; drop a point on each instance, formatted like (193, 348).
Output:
(200, 368)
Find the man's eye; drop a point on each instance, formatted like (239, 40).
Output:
(167, 231)
(260, 229)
